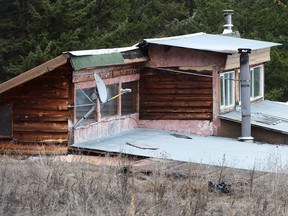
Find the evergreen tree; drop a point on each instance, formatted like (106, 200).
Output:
(34, 31)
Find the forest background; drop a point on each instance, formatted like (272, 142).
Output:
(34, 31)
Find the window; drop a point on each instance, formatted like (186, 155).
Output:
(6, 120)
(84, 99)
(256, 77)
(129, 100)
(256, 83)
(227, 89)
(110, 108)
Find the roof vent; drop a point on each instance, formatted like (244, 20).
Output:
(228, 21)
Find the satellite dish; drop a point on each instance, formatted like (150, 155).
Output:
(101, 89)
(101, 92)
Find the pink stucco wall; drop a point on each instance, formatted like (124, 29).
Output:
(201, 127)
(107, 127)
(162, 56)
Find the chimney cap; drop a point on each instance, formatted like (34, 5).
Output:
(228, 22)
(226, 12)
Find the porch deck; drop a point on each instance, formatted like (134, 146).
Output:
(217, 151)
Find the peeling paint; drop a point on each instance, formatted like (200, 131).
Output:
(200, 127)
(107, 127)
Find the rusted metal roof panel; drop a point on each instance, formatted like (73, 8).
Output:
(106, 57)
(267, 114)
(212, 43)
(33, 73)
(80, 62)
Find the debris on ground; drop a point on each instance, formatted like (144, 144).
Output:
(219, 188)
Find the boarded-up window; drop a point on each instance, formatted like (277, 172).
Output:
(110, 108)
(129, 100)
(84, 99)
(6, 120)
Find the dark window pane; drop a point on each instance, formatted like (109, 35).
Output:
(222, 92)
(6, 120)
(82, 99)
(257, 82)
(129, 100)
(110, 108)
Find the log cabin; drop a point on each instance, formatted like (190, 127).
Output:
(184, 83)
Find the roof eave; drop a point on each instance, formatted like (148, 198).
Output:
(34, 72)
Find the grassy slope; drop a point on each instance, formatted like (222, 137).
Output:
(48, 187)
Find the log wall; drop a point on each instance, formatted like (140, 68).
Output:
(174, 96)
(40, 108)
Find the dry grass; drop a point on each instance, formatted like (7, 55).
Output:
(48, 187)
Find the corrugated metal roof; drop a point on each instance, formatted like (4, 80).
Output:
(213, 43)
(101, 51)
(199, 149)
(266, 114)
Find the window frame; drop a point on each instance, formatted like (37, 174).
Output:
(98, 114)
(115, 90)
(230, 81)
(84, 97)
(252, 83)
(134, 86)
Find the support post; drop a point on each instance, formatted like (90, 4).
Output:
(245, 96)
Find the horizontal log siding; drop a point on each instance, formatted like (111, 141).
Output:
(174, 96)
(40, 112)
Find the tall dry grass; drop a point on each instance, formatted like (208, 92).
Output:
(47, 187)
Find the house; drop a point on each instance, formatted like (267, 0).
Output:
(184, 83)
(37, 106)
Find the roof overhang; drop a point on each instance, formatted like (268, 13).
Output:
(211, 42)
(266, 114)
(34, 73)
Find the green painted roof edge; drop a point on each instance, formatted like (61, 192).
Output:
(81, 62)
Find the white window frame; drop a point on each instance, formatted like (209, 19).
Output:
(252, 84)
(227, 81)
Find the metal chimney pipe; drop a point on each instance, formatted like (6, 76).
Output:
(245, 96)
(228, 21)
